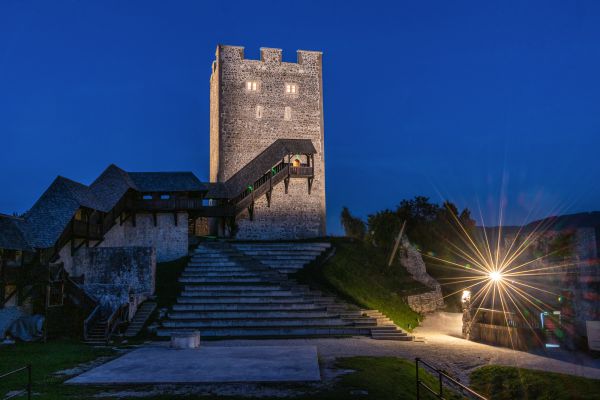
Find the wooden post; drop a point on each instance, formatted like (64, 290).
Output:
(397, 244)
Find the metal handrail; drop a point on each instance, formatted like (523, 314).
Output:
(27, 388)
(443, 377)
(89, 320)
(115, 319)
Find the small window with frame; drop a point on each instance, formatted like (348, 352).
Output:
(252, 86)
(291, 88)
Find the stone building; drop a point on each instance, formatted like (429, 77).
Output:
(252, 104)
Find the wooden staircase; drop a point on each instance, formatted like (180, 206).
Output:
(97, 333)
(139, 320)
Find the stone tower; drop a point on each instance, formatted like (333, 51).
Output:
(253, 103)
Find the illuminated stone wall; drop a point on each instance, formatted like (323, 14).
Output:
(239, 133)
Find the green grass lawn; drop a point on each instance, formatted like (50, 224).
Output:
(377, 378)
(358, 272)
(510, 383)
(46, 359)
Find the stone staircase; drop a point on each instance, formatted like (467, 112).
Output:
(97, 333)
(140, 318)
(286, 257)
(228, 293)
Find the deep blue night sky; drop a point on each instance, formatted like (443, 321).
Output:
(440, 98)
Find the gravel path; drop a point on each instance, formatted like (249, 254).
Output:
(443, 347)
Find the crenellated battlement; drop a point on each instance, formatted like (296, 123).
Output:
(268, 55)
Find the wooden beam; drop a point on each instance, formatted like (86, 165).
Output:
(175, 218)
(286, 182)
(268, 194)
(310, 183)
(155, 219)
(251, 211)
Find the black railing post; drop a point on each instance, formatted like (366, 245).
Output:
(441, 385)
(28, 381)
(418, 384)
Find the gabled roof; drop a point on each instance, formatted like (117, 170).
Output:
(12, 236)
(49, 216)
(166, 182)
(260, 165)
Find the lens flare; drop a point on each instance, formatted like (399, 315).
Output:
(502, 274)
(495, 276)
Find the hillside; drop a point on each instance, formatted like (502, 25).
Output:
(358, 273)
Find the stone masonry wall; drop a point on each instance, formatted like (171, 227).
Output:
(117, 275)
(413, 262)
(238, 135)
(169, 240)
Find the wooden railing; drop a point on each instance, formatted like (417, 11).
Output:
(167, 204)
(301, 171)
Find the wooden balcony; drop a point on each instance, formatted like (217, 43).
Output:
(193, 206)
(301, 172)
(82, 229)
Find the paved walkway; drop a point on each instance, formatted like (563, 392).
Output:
(158, 364)
(443, 347)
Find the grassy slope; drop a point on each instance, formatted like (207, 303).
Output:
(358, 272)
(167, 283)
(510, 383)
(45, 358)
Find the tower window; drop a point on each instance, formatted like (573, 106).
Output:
(291, 88)
(259, 112)
(252, 86)
(287, 115)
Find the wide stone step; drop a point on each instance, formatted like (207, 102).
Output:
(238, 293)
(294, 246)
(249, 315)
(242, 323)
(254, 299)
(263, 306)
(281, 256)
(220, 280)
(194, 268)
(276, 332)
(244, 287)
(194, 263)
(233, 274)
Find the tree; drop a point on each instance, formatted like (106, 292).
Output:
(383, 228)
(353, 227)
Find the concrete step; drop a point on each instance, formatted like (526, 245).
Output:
(238, 293)
(236, 274)
(194, 263)
(217, 269)
(243, 323)
(221, 280)
(250, 315)
(256, 299)
(237, 287)
(263, 306)
(267, 332)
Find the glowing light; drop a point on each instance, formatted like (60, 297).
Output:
(496, 276)
(466, 295)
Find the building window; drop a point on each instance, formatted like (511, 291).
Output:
(252, 86)
(291, 88)
(165, 196)
(287, 115)
(259, 112)
(147, 197)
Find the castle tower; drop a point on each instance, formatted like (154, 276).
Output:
(252, 104)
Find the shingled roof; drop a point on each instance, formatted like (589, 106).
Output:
(12, 236)
(166, 182)
(260, 165)
(50, 215)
